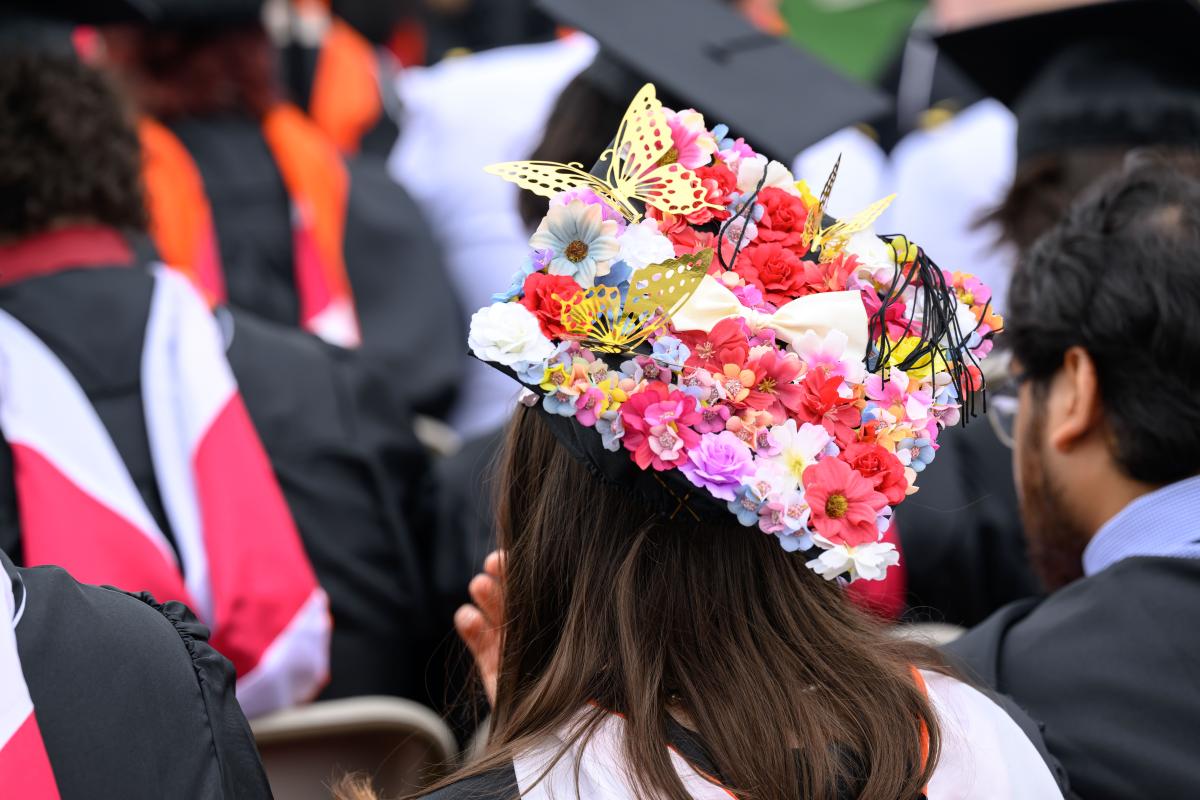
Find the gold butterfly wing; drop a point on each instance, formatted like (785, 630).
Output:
(635, 168)
(831, 240)
(596, 317)
(549, 179)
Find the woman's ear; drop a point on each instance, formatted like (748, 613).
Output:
(1076, 411)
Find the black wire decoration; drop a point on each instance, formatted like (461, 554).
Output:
(940, 335)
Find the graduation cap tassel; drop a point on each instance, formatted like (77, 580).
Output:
(940, 338)
(744, 212)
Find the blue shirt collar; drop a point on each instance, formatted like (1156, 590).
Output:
(1165, 522)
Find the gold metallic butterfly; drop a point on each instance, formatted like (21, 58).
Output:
(832, 239)
(641, 166)
(598, 320)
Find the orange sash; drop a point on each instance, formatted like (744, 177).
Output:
(318, 185)
(345, 100)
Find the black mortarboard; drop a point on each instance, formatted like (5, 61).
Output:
(1119, 74)
(167, 13)
(708, 55)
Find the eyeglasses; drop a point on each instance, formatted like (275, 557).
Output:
(1002, 399)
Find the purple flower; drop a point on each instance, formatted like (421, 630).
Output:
(591, 198)
(718, 464)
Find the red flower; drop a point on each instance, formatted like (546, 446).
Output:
(658, 424)
(832, 276)
(685, 238)
(823, 405)
(719, 182)
(880, 467)
(725, 344)
(783, 218)
(774, 390)
(540, 290)
(845, 506)
(777, 271)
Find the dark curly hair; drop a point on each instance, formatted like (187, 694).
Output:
(1118, 276)
(68, 148)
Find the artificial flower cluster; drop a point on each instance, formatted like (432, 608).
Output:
(797, 437)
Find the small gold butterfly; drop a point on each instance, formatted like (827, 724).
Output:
(641, 166)
(598, 320)
(832, 239)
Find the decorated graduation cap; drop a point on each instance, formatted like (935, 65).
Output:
(698, 332)
(1120, 74)
(767, 88)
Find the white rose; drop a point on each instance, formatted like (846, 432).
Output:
(642, 245)
(508, 333)
(750, 172)
(876, 256)
(866, 561)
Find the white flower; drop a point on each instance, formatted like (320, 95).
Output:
(866, 561)
(581, 241)
(750, 172)
(876, 256)
(642, 245)
(799, 447)
(914, 299)
(508, 333)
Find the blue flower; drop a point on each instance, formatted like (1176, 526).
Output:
(631, 369)
(611, 430)
(745, 504)
(560, 403)
(795, 541)
(915, 453)
(670, 352)
(535, 263)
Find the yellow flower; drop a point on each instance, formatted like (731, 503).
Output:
(555, 378)
(925, 367)
(614, 395)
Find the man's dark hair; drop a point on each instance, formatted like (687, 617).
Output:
(1119, 276)
(68, 149)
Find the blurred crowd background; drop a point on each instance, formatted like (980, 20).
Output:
(314, 168)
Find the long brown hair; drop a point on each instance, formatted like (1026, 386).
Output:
(793, 691)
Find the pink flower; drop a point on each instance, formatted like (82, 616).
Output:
(658, 426)
(896, 320)
(894, 397)
(693, 145)
(590, 405)
(845, 506)
(712, 419)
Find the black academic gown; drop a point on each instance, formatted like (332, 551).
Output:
(961, 534)
(411, 322)
(131, 700)
(337, 445)
(1110, 665)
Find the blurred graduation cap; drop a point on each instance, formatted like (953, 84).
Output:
(1124, 73)
(709, 56)
(165, 13)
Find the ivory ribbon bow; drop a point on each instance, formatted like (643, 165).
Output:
(819, 313)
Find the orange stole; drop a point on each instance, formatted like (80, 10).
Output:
(345, 100)
(319, 187)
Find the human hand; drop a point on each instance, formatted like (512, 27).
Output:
(479, 623)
